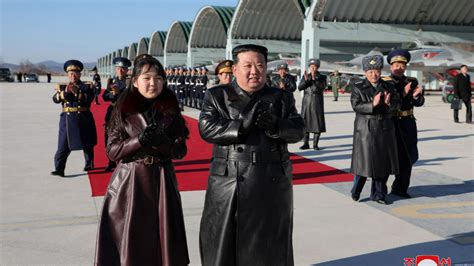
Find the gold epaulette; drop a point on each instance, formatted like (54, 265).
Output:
(387, 78)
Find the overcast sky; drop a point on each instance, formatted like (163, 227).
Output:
(39, 30)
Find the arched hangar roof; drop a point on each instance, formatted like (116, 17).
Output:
(125, 52)
(422, 12)
(132, 51)
(210, 27)
(270, 19)
(157, 43)
(143, 45)
(178, 37)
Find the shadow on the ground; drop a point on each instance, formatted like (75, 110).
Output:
(442, 190)
(74, 175)
(445, 137)
(434, 161)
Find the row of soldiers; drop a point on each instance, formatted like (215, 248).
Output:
(188, 83)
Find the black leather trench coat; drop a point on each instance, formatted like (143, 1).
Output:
(142, 219)
(248, 211)
(312, 108)
(374, 152)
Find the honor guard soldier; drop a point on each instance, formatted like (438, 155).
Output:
(77, 129)
(174, 76)
(202, 85)
(192, 86)
(97, 84)
(115, 86)
(188, 90)
(411, 95)
(194, 90)
(179, 83)
(283, 80)
(223, 72)
(169, 77)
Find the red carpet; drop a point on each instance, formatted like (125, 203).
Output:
(193, 170)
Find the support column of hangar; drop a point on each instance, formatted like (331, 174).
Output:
(157, 45)
(176, 45)
(208, 35)
(276, 24)
(359, 23)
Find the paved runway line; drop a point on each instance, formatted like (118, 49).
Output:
(412, 211)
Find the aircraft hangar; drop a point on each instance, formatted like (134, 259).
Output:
(333, 30)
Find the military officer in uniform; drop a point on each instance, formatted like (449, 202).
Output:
(97, 85)
(283, 80)
(223, 72)
(248, 210)
(312, 109)
(115, 86)
(411, 95)
(77, 129)
(374, 152)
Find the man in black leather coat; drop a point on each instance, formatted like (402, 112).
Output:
(248, 210)
(374, 152)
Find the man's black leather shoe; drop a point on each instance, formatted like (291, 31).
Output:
(88, 168)
(355, 197)
(109, 168)
(382, 201)
(58, 173)
(304, 147)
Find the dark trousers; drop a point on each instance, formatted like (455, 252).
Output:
(402, 180)
(63, 152)
(468, 112)
(378, 191)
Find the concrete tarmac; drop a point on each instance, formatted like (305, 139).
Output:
(48, 220)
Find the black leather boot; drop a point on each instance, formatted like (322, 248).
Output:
(315, 141)
(306, 142)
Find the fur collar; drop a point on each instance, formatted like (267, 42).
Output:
(166, 103)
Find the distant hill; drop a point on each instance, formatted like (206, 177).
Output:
(43, 66)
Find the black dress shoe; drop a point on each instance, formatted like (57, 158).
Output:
(382, 201)
(401, 194)
(304, 147)
(58, 173)
(316, 148)
(109, 168)
(88, 168)
(355, 197)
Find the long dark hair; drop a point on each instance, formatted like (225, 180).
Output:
(131, 98)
